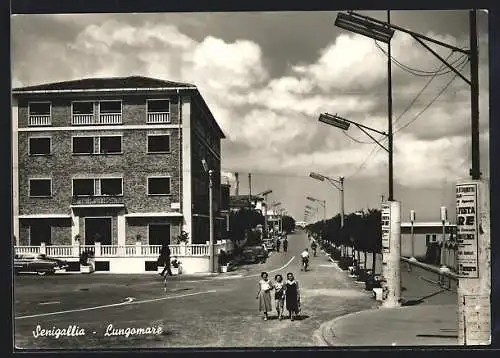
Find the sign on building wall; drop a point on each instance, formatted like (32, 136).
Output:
(386, 227)
(467, 230)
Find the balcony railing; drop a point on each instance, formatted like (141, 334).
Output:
(158, 117)
(97, 200)
(92, 119)
(40, 120)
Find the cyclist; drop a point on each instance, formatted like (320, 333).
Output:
(305, 259)
(313, 247)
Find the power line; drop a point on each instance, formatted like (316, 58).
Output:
(424, 73)
(377, 149)
(412, 101)
(431, 102)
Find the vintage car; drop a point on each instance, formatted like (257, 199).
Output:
(255, 254)
(38, 263)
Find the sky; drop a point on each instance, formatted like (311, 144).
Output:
(266, 78)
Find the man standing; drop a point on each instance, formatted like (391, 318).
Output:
(278, 244)
(285, 245)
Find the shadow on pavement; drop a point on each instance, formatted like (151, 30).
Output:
(301, 317)
(422, 299)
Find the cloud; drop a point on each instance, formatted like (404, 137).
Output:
(271, 122)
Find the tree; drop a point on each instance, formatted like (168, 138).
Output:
(288, 223)
(242, 221)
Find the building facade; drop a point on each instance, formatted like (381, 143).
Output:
(115, 161)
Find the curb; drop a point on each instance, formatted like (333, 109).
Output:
(326, 329)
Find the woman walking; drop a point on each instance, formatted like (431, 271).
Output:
(279, 295)
(292, 295)
(264, 295)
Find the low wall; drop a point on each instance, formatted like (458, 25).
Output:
(125, 265)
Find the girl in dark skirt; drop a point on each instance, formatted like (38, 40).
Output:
(292, 295)
(264, 295)
(279, 295)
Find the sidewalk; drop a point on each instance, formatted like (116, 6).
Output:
(431, 320)
(404, 326)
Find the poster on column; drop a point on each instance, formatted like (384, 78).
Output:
(386, 227)
(467, 230)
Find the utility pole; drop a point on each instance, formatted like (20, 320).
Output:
(237, 189)
(250, 188)
(473, 229)
(341, 180)
(389, 114)
(211, 218)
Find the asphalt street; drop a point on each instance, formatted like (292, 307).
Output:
(195, 311)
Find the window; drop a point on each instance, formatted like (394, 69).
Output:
(158, 143)
(106, 145)
(39, 109)
(111, 186)
(39, 146)
(98, 187)
(40, 187)
(83, 145)
(83, 107)
(159, 186)
(83, 187)
(111, 144)
(158, 106)
(110, 107)
(39, 114)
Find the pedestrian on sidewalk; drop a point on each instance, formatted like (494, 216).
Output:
(278, 244)
(314, 246)
(292, 296)
(285, 245)
(279, 295)
(264, 295)
(164, 259)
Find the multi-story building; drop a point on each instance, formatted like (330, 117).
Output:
(113, 160)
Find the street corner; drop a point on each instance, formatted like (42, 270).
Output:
(399, 326)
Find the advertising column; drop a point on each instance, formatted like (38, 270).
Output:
(474, 263)
(391, 252)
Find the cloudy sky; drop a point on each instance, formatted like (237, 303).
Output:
(267, 77)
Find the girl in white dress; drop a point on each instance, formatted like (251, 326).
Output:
(264, 295)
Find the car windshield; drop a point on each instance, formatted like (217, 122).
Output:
(41, 256)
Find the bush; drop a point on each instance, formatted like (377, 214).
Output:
(85, 256)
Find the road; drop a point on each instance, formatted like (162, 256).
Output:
(195, 312)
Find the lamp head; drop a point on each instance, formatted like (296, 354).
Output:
(317, 176)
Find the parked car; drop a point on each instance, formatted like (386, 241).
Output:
(255, 254)
(38, 263)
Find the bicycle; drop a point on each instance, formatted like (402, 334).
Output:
(305, 264)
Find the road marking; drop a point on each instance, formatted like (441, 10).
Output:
(278, 269)
(49, 303)
(241, 276)
(128, 302)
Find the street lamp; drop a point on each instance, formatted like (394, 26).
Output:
(344, 124)
(380, 32)
(210, 214)
(366, 26)
(265, 194)
(339, 185)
